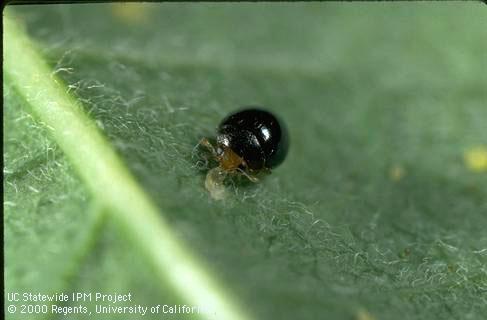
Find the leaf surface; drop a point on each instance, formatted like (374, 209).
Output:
(373, 213)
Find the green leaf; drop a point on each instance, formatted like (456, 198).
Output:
(373, 214)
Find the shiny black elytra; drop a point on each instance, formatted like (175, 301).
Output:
(256, 136)
(247, 142)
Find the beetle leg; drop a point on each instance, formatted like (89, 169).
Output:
(250, 177)
(266, 170)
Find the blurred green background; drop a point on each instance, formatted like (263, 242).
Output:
(380, 210)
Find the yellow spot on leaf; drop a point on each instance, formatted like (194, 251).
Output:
(476, 159)
(131, 13)
(363, 314)
(397, 172)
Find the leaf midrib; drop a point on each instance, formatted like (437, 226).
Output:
(107, 177)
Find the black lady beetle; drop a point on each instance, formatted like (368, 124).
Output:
(247, 142)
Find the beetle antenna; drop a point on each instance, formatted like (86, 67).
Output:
(207, 144)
